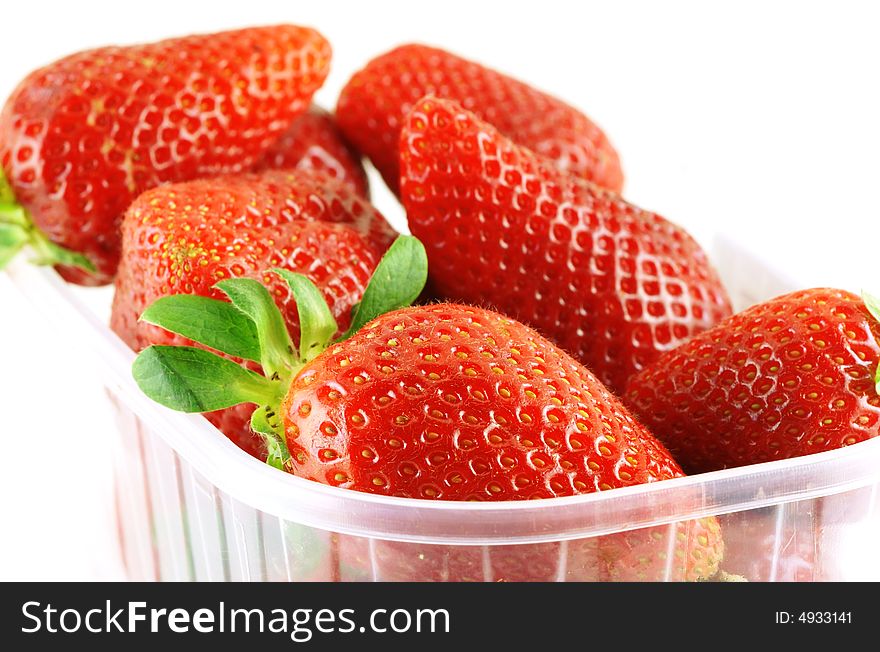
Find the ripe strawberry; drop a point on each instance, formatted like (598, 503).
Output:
(610, 283)
(82, 137)
(444, 402)
(314, 142)
(788, 377)
(373, 105)
(455, 403)
(183, 238)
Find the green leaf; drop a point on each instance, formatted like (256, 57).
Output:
(266, 422)
(12, 239)
(317, 326)
(216, 324)
(276, 350)
(188, 379)
(397, 282)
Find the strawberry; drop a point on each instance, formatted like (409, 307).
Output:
(441, 402)
(314, 142)
(610, 283)
(373, 105)
(183, 238)
(82, 137)
(431, 406)
(473, 406)
(788, 377)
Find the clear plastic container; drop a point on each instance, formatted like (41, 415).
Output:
(191, 506)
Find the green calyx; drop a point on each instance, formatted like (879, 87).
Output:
(872, 303)
(17, 230)
(250, 327)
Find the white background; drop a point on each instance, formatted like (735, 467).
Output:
(760, 119)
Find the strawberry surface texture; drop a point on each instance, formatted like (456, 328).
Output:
(612, 284)
(459, 403)
(184, 238)
(373, 105)
(314, 142)
(84, 136)
(788, 377)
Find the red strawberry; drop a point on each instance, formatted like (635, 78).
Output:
(373, 105)
(183, 238)
(82, 137)
(452, 402)
(610, 283)
(314, 142)
(443, 402)
(788, 377)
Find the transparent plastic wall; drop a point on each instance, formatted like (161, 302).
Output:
(191, 506)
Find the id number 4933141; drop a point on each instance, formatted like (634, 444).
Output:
(814, 617)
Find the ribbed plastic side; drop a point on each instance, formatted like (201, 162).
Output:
(175, 525)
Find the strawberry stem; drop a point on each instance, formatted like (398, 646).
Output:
(17, 230)
(277, 352)
(267, 422)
